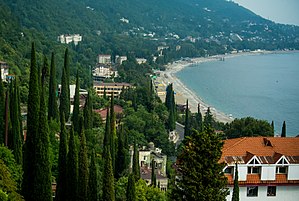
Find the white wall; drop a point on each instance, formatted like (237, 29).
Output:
(293, 172)
(283, 193)
(268, 172)
(242, 169)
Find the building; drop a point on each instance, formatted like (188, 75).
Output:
(268, 167)
(102, 72)
(141, 60)
(118, 110)
(110, 88)
(120, 59)
(104, 59)
(68, 38)
(4, 70)
(146, 155)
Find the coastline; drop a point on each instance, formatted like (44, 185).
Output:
(182, 92)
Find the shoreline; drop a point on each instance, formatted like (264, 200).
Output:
(182, 92)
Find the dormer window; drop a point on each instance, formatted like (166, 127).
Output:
(228, 170)
(281, 170)
(253, 170)
(254, 162)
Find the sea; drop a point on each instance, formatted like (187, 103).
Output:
(263, 86)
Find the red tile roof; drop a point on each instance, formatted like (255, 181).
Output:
(103, 112)
(267, 149)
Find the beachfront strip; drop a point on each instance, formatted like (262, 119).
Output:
(268, 167)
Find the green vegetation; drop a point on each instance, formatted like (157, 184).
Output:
(236, 185)
(131, 195)
(283, 129)
(200, 174)
(52, 102)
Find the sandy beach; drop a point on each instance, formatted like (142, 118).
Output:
(182, 93)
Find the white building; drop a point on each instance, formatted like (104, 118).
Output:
(104, 59)
(141, 60)
(103, 72)
(268, 167)
(120, 59)
(66, 39)
(4, 70)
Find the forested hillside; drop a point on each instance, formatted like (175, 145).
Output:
(198, 27)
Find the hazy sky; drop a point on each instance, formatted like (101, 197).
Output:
(281, 11)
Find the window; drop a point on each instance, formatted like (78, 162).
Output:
(252, 191)
(271, 191)
(228, 170)
(281, 170)
(253, 170)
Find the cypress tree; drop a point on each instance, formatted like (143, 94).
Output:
(64, 106)
(198, 119)
(107, 131)
(134, 102)
(208, 119)
(130, 194)
(76, 111)
(272, 126)
(153, 176)
(105, 93)
(122, 154)
(72, 169)
(187, 129)
(170, 104)
(92, 181)
(42, 179)
(61, 188)
(8, 142)
(82, 166)
(283, 130)
(88, 112)
(236, 186)
(108, 178)
(136, 168)
(67, 71)
(32, 131)
(2, 109)
(52, 101)
(16, 124)
(112, 133)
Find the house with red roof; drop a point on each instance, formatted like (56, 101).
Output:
(268, 167)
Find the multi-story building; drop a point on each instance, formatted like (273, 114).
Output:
(146, 156)
(102, 72)
(120, 59)
(76, 38)
(141, 60)
(268, 167)
(110, 88)
(104, 59)
(4, 70)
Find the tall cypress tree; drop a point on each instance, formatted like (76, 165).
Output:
(112, 133)
(209, 119)
(82, 166)
(15, 117)
(136, 168)
(236, 186)
(76, 111)
(64, 101)
(52, 101)
(170, 104)
(67, 71)
(88, 112)
(272, 126)
(198, 119)
(284, 129)
(2, 110)
(32, 131)
(61, 190)
(72, 169)
(153, 176)
(130, 194)
(187, 129)
(42, 178)
(108, 178)
(122, 154)
(92, 190)
(107, 131)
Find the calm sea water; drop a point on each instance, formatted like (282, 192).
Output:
(261, 86)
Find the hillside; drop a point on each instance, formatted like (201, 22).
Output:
(197, 27)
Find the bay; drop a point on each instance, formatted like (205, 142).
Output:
(264, 86)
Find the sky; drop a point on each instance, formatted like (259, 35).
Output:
(280, 11)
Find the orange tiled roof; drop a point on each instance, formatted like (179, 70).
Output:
(267, 149)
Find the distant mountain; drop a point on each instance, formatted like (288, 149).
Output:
(187, 27)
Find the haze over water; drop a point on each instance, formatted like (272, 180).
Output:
(262, 86)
